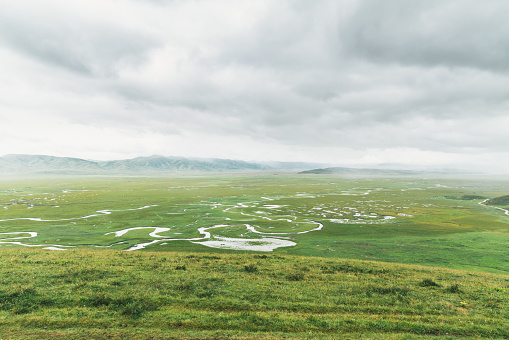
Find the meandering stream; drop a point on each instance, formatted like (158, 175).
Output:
(267, 241)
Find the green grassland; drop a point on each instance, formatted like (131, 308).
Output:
(97, 294)
(403, 220)
(253, 256)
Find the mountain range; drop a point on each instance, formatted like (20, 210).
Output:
(383, 171)
(51, 165)
(360, 171)
(29, 165)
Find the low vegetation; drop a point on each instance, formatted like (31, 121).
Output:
(87, 294)
(193, 272)
(501, 201)
(400, 220)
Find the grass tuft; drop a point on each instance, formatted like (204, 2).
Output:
(429, 283)
(297, 276)
(454, 289)
(251, 268)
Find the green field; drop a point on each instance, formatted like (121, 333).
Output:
(253, 256)
(403, 220)
(96, 294)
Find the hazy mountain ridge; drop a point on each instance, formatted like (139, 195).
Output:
(359, 171)
(379, 172)
(11, 165)
(20, 164)
(52, 165)
(41, 164)
(176, 164)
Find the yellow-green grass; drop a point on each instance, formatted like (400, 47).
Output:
(106, 294)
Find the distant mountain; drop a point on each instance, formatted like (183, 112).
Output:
(27, 165)
(178, 164)
(293, 166)
(356, 171)
(21, 164)
(418, 168)
(39, 164)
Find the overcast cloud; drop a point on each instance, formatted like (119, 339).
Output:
(348, 82)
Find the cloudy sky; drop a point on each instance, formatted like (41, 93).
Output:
(348, 82)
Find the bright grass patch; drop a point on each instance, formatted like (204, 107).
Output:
(111, 294)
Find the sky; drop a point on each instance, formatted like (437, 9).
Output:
(351, 82)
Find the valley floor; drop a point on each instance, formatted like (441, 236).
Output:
(428, 221)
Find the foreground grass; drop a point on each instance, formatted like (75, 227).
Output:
(89, 294)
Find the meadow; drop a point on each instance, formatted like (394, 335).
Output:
(97, 294)
(253, 257)
(427, 221)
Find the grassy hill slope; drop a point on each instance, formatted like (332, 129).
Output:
(87, 294)
(355, 171)
(502, 201)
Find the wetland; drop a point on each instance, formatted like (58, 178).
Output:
(410, 220)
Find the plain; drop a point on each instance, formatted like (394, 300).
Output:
(215, 257)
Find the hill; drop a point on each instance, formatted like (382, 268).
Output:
(86, 294)
(178, 164)
(357, 171)
(502, 200)
(19, 164)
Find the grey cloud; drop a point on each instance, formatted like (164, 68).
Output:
(288, 36)
(429, 75)
(159, 2)
(97, 49)
(448, 33)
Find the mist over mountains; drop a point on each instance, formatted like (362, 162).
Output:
(360, 171)
(153, 165)
(35, 165)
